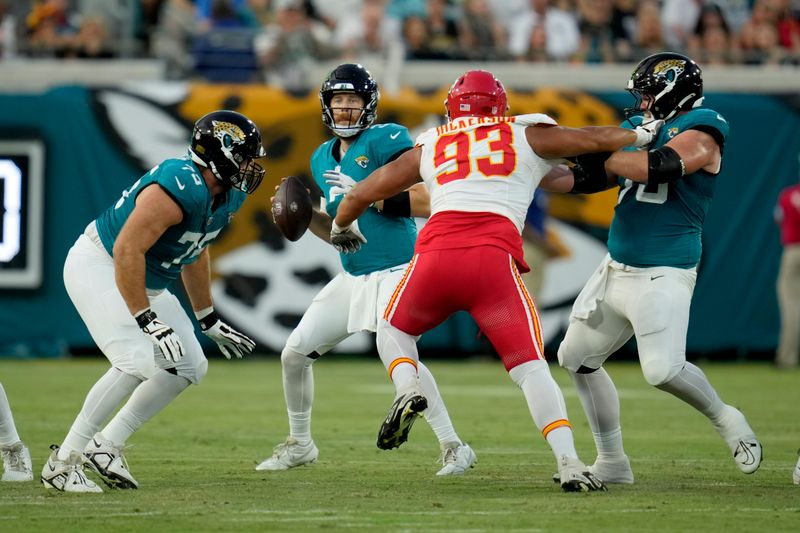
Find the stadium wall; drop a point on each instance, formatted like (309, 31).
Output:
(95, 140)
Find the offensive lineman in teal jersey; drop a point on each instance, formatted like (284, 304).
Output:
(644, 286)
(354, 300)
(118, 276)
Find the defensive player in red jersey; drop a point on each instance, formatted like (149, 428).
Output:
(482, 169)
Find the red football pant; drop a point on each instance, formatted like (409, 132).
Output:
(485, 282)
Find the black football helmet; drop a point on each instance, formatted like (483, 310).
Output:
(351, 78)
(672, 80)
(227, 142)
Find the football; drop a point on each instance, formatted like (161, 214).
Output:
(291, 208)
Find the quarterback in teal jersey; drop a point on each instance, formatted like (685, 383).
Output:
(118, 276)
(354, 300)
(644, 286)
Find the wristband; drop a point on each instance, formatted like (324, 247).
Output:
(210, 318)
(144, 317)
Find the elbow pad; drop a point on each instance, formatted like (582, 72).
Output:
(589, 173)
(398, 205)
(664, 165)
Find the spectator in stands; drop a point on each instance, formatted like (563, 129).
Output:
(481, 37)
(49, 30)
(560, 27)
(417, 40)
(442, 29)
(177, 27)
(505, 12)
(623, 29)
(372, 33)
(92, 41)
(8, 31)
(758, 38)
(287, 48)
(146, 24)
(649, 37)
(597, 34)
(711, 40)
(787, 216)
(679, 17)
(789, 29)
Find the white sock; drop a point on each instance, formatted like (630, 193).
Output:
(546, 404)
(103, 398)
(398, 351)
(298, 391)
(692, 386)
(8, 431)
(147, 400)
(436, 414)
(600, 402)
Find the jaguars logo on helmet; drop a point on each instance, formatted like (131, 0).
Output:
(227, 142)
(669, 82)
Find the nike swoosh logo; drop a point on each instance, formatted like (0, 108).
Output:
(394, 136)
(181, 186)
(656, 277)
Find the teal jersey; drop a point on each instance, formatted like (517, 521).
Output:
(390, 239)
(663, 225)
(182, 243)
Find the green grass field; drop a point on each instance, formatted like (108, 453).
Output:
(195, 461)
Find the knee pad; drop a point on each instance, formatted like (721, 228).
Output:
(660, 371)
(566, 359)
(291, 357)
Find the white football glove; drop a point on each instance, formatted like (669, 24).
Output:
(340, 183)
(230, 341)
(160, 334)
(347, 240)
(646, 131)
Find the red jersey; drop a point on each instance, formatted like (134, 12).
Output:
(789, 214)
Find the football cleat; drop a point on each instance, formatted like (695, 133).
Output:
(67, 476)
(613, 470)
(745, 447)
(748, 455)
(108, 461)
(16, 463)
(290, 454)
(796, 471)
(576, 477)
(406, 408)
(610, 470)
(457, 459)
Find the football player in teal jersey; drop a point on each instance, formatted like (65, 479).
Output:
(355, 299)
(644, 286)
(118, 275)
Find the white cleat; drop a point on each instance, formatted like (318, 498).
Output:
(576, 477)
(16, 463)
(742, 441)
(67, 476)
(796, 471)
(108, 461)
(613, 470)
(457, 459)
(290, 454)
(747, 455)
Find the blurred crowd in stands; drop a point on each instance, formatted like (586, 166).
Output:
(276, 40)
